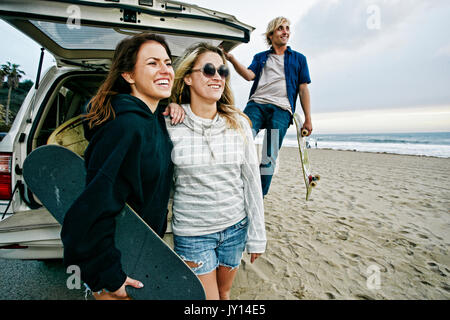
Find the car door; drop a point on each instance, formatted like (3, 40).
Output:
(82, 36)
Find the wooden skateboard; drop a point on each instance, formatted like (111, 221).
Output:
(57, 176)
(310, 179)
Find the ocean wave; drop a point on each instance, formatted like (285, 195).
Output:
(424, 144)
(397, 148)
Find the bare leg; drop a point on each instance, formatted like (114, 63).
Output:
(225, 277)
(209, 282)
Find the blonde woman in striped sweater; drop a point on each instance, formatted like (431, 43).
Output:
(218, 206)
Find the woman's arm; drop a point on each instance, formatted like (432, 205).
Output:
(253, 199)
(89, 225)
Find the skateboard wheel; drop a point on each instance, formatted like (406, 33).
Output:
(304, 132)
(317, 177)
(313, 184)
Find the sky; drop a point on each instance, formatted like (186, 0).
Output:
(375, 65)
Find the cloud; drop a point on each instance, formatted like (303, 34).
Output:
(23, 51)
(392, 120)
(403, 63)
(351, 24)
(443, 51)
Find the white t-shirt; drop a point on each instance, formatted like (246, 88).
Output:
(272, 84)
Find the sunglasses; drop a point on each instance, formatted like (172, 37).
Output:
(209, 70)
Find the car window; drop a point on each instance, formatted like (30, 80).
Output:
(88, 37)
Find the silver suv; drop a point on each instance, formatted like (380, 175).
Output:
(81, 35)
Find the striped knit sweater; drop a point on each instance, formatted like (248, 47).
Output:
(216, 179)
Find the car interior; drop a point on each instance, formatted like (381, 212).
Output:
(66, 102)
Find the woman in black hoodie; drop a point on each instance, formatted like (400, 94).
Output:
(128, 160)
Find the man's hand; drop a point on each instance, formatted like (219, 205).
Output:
(227, 55)
(176, 113)
(308, 126)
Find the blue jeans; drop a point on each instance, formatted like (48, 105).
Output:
(276, 121)
(208, 251)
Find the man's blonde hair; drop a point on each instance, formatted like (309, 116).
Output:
(273, 25)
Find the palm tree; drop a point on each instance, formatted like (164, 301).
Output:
(13, 74)
(3, 73)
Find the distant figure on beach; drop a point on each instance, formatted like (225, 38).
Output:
(279, 75)
(218, 208)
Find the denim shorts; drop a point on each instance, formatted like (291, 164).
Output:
(208, 251)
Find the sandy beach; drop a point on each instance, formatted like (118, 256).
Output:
(376, 227)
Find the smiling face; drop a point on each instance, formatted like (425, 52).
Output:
(280, 35)
(152, 77)
(203, 89)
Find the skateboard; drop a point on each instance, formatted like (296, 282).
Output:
(57, 176)
(310, 179)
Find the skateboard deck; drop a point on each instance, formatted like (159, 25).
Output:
(309, 178)
(70, 134)
(57, 176)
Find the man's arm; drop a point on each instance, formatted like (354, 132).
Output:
(305, 101)
(245, 73)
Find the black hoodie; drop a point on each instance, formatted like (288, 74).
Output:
(128, 160)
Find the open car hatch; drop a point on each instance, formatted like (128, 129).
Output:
(87, 31)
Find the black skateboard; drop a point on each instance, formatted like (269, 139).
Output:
(57, 176)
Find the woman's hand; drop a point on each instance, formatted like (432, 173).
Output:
(176, 113)
(254, 256)
(121, 293)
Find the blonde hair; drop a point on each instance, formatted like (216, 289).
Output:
(273, 25)
(181, 93)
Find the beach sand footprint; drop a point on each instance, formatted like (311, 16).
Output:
(433, 266)
(322, 249)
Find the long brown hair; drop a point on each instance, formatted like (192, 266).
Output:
(124, 60)
(181, 92)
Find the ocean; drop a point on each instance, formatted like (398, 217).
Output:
(435, 144)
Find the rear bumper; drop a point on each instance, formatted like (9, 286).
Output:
(32, 253)
(32, 234)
